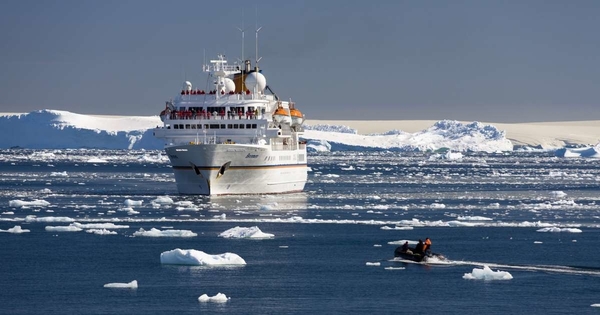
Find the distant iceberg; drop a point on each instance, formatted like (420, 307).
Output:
(55, 129)
(446, 134)
(588, 152)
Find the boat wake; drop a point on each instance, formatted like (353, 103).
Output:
(575, 270)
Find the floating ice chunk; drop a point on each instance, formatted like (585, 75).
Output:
(453, 155)
(558, 230)
(8, 213)
(166, 233)
(221, 216)
(473, 218)
(558, 194)
(373, 263)
(246, 232)
(69, 228)
(101, 232)
(45, 191)
(97, 160)
(33, 203)
(16, 230)
(131, 285)
(437, 205)
(397, 228)
(130, 203)
(59, 174)
(163, 200)
(268, 207)
(487, 274)
(394, 268)
(194, 257)
(219, 298)
(538, 242)
(100, 226)
(593, 152)
(32, 218)
(595, 305)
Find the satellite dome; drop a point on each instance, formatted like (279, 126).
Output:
(228, 85)
(256, 79)
(187, 85)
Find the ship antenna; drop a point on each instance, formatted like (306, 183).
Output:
(256, 43)
(242, 29)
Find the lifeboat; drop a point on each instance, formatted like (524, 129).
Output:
(297, 117)
(281, 115)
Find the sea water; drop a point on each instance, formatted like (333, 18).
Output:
(333, 245)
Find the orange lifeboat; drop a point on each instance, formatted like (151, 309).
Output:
(297, 117)
(281, 115)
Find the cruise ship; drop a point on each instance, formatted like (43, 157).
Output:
(236, 138)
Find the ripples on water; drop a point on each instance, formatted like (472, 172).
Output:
(481, 209)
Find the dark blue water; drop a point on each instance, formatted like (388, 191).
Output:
(324, 238)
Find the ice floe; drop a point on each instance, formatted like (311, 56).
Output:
(194, 257)
(487, 274)
(15, 230)
(557, 230)
(219, 298)
(131, 285)
(164, 233)
(246, 232)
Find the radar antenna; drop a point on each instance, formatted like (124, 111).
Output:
(242, 29)
(256, 43)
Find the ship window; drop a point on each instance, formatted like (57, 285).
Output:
(248, 126)
(175, 126)
(199, 126)
(193, 126)
(241, 126)
(236, 126)
(180, 126)
(205, 126)
(253, 126)
(222, 126)
(230, 126)
(187, 126)
(214, 126)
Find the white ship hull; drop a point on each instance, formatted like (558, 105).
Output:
(221, 169)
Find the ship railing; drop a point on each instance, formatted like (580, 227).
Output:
(288, 147)
(198, 116)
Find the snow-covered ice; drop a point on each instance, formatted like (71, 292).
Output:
(194, 257)
(246, 232)
(131, 285)
(487, 274)
(219, 298)
(15, 230)
(153, 232)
